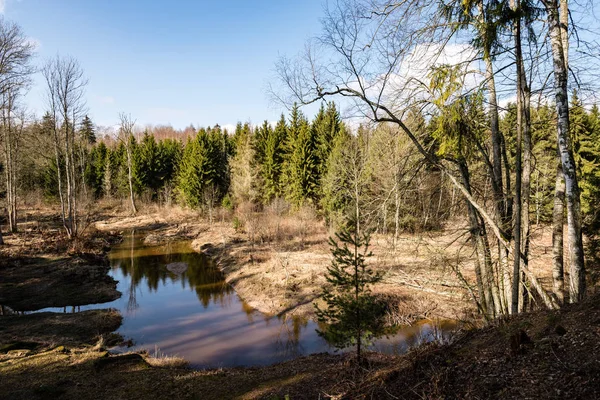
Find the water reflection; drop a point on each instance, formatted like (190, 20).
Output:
(177, 301)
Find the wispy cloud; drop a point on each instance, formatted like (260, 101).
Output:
(2, 6)
(104, 99)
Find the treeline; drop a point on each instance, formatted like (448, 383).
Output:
(319, 164)
(324, 165)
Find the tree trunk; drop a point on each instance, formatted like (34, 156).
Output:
(557, 235)
(483, 263)
(526, 180)
(130, 178)
(500, 196)
(517, 214)
(574, 234)
(59, 177)
(558, 213)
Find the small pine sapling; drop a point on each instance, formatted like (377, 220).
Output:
(353, 316)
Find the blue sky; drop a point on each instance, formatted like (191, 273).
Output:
(170, 62)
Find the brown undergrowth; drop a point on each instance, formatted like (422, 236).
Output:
(545, 354)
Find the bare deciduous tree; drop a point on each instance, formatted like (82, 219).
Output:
(126, 137)
(65, 89)
(16, 52)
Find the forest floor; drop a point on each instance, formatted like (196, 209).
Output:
(277, 265)
(546, 354)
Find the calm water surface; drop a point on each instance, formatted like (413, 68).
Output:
(177, 302)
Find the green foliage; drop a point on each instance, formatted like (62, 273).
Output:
(203, 168)
(303, 166)
(585, 133)
(87, 132)
(272, 161)
(95, 169)
(458, 126)
(335, 201)
(353, 316)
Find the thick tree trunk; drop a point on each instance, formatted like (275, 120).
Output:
(574, 234)
(558, 213)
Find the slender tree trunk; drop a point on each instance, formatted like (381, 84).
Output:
(484, 280)
(517, 212)
(574, 234)
(500, 197)
(526, 181)
(557, 235)
(130, 179)
(59, 178)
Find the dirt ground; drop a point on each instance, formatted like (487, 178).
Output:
(546, 354)
(277, 264)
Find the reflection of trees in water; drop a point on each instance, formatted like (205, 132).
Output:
(287, 344)
(206, 280)
(132, 303)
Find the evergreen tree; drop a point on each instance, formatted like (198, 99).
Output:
(95, 169)
(259, 142)
(335, 201)
(353, 315)
(272, 162)
(244, 174)
(148, 166)
(327, 126)
(87, 131)
(204, 171)
(584, 130)
(303, 167)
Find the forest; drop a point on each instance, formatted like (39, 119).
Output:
(449, 177)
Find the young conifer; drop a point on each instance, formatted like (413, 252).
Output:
(353, 316)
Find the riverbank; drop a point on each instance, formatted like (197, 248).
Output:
(277, 264)
(49, 355)
(546, 354)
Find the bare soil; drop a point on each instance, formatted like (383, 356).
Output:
(277, 264)
(553, 355)
(42, 269)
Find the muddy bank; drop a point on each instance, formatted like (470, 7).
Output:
(546, 354)
(288, 276)
(61, 283)
(47, 329)
(277, 264)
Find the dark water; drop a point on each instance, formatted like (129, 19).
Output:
(176, 302)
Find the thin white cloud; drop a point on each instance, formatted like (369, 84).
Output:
(2, 6)
(105, 99)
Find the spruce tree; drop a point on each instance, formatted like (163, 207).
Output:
(87, 131)
(353, 316)
(272, 163)
(204, 168)
(303, 167)
(584, 129)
